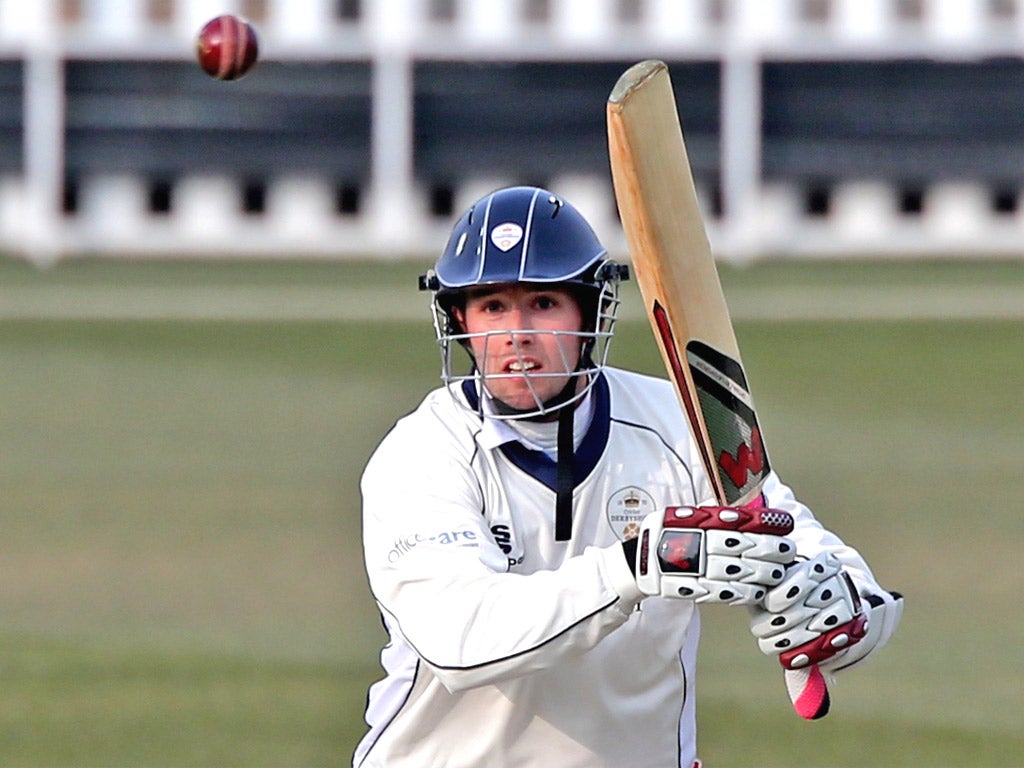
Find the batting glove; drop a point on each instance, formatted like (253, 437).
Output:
(815, 616)
(713, 554)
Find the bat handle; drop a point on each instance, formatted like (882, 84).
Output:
(808, 691)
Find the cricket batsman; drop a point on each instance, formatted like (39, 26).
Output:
(539, 534)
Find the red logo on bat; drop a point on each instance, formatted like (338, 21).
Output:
(746, 460)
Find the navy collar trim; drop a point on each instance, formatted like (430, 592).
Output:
(537, 464)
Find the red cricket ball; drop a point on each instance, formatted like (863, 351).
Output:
(226, 47)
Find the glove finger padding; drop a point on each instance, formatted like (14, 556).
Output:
(713, 554)
(801, 579)
(884, 612)
(824, 608)
(813, 615)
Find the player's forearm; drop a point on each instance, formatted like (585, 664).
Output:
(572, 642)
(487, 627)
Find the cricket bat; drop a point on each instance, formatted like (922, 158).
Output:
(683, 296)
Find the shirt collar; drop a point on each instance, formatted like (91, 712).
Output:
(497, 432)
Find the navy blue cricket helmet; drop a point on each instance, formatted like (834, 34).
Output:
(520, 234)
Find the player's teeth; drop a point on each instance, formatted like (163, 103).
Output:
(521, 366)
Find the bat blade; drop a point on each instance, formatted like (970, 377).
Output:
(679, 282)
(682, 293)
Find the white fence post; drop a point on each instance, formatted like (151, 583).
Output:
(583, 22)
(120, 19)
(675, 21)
(300, 20)
(43, 136)
(392, 213)
(861, 21)
(192, 14)
(953, 22)
(492, 21)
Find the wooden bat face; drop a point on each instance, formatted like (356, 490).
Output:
(679, 281)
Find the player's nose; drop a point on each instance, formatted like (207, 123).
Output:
(520, 319)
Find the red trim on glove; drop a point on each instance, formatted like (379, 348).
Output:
(824, 647)
(744, 519)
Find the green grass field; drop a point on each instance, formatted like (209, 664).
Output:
(180, 579)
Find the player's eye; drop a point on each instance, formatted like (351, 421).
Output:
(546, 302)
(485, 305)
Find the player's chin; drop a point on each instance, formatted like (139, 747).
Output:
(518, 397)
(522, 395)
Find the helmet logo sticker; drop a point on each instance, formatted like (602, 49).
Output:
(506, 236)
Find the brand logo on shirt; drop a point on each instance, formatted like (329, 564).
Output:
(405, 544)
(503, 538)
(626, 508)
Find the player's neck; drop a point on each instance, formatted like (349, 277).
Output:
(543, 435)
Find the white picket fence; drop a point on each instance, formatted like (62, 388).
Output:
(300, 218)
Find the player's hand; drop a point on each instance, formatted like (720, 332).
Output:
(814, 616)
(713, 554)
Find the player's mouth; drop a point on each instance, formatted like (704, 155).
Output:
(521, 366)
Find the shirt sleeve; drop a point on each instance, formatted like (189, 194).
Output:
(443, 582)
(812, 538)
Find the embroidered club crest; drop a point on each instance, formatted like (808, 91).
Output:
(506, 236)
(626, 508)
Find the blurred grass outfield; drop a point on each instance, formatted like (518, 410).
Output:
(180, 577)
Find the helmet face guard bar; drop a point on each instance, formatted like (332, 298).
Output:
(591, 345)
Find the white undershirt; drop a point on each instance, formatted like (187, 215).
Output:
(536, 435)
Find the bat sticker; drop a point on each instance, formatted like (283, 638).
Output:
(731, 422)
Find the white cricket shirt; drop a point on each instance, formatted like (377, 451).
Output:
(509, 648)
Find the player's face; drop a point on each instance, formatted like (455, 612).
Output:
(529, 343)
